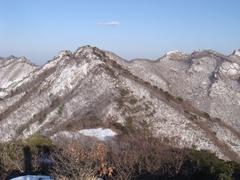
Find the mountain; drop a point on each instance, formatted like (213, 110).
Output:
(188, 100)
(13, 70)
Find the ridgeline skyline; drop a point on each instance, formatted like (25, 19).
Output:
(135, 29)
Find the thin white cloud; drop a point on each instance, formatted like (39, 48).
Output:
(110, 23)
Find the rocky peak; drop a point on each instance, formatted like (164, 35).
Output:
(14, 70)
(24, 60)
(64, 53)
(10, 60)
(84, 50)
(176, 55)
(236, 52)
(174, 52)
(88, 53)
(11, 57)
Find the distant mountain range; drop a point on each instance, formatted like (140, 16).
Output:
(189, 100)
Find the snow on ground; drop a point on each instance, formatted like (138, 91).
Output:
(32, 177)
(14, 73)
(99, 133)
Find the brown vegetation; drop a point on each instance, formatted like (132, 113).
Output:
(138, 156)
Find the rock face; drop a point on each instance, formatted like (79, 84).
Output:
(229, 70)
(192, 100)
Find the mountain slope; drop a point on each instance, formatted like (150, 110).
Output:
(13, 70)
(207, 79)
(170, 97)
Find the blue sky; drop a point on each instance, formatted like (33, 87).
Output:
(39, 29)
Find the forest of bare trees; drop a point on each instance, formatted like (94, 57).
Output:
(128, 157)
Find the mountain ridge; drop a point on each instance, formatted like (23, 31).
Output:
(91, 87)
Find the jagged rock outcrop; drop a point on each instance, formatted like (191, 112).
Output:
(188, 99)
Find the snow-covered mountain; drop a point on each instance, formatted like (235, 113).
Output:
(13, 70)
(189, 100)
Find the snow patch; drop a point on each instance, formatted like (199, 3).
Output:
(32, 177)
(99, 133)
(2, 94)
